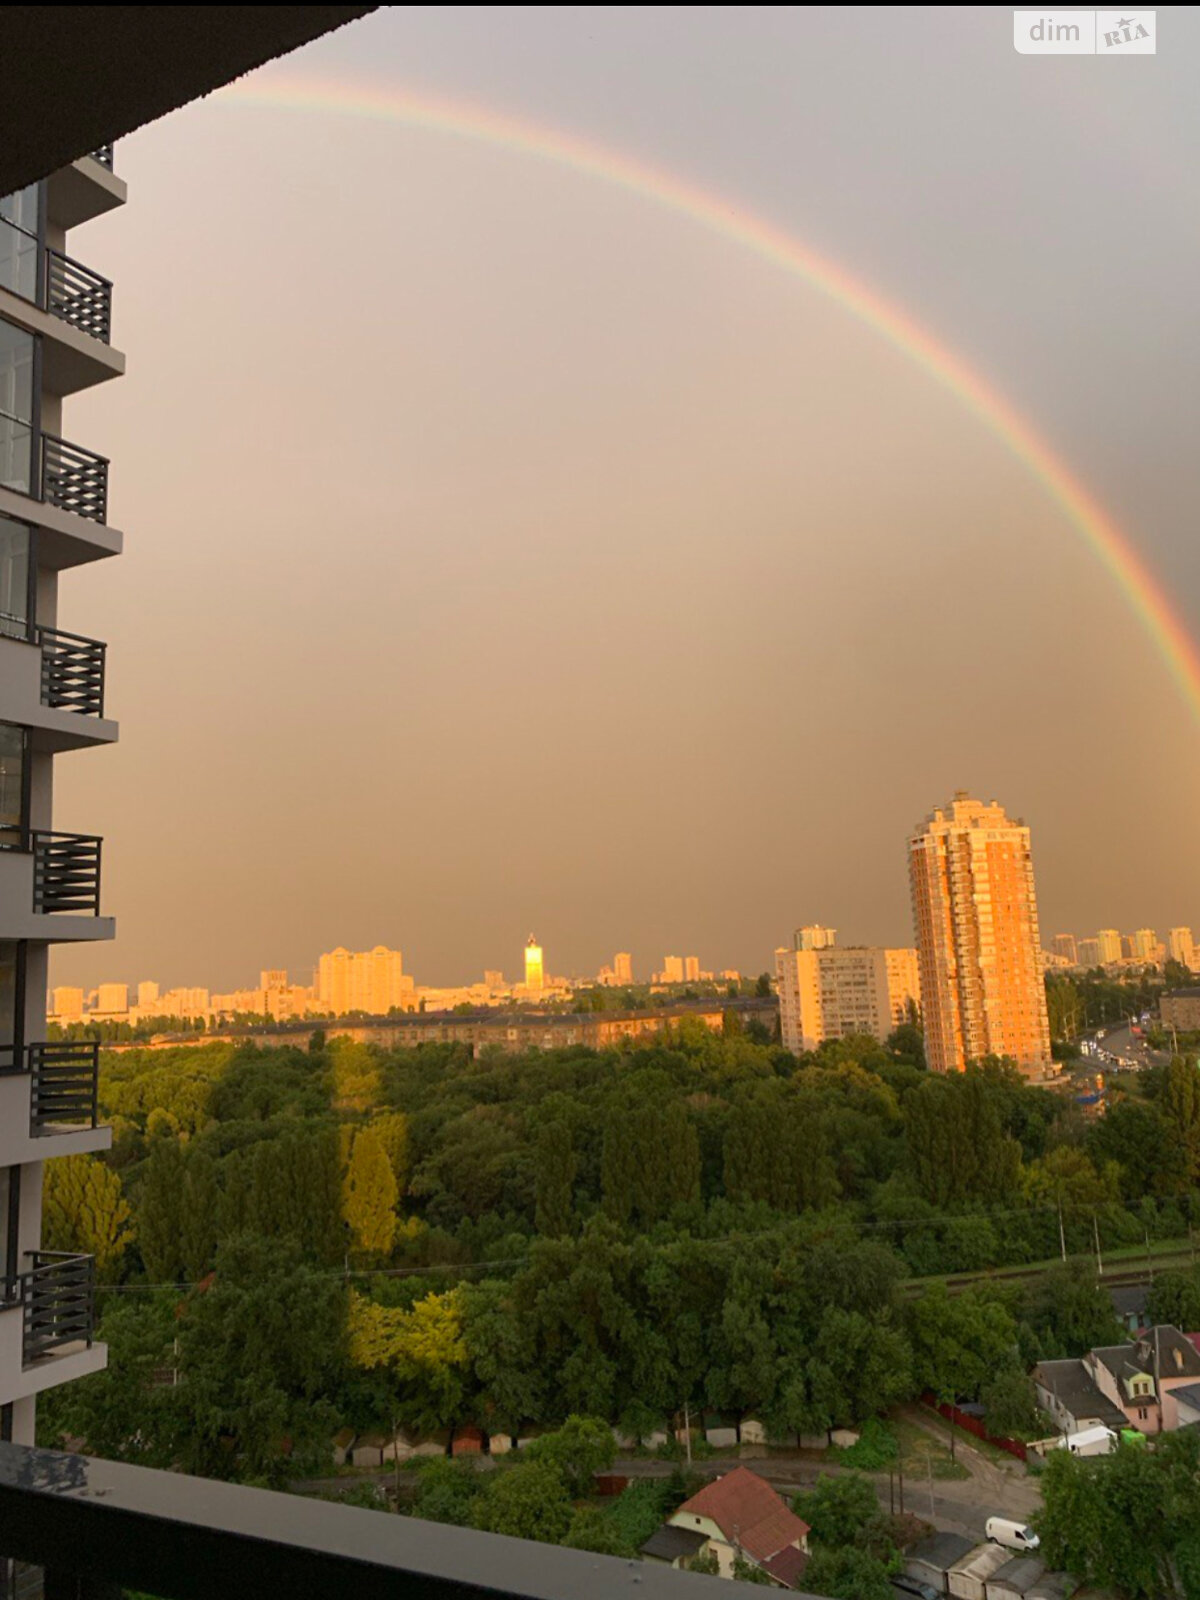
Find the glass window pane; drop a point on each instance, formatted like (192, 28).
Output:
(14, 577)
(12, 783)
(18, 261)
(8, 994)
(16, 455)
(22, 208)
(16, 373)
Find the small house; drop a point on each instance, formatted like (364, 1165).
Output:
(930, 1560)
(342, 1441)
(753, 1431)
(968, 1577)
(739, 1514)
(499, 1444)
(676, 1547)
(468, 1441)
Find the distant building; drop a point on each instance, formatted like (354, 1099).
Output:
(1066, 948)
(190, 1003)
(975, 910)
(1125, 1385)
(67, 1004)
(493, 979)
(672, 970)
(1089, 953)
(814, 937)
(147, 995)
(112, 1000)
(830, 993)
(623, 967)
(373, 981)
(1181, 946)
(1109, 942)
(535, 971)
(1145, 945)
(1180, 1009)
(691, 969)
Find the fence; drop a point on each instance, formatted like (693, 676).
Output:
(972, 1425)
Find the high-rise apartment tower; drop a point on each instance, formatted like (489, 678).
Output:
(55, 321)
(978, 947)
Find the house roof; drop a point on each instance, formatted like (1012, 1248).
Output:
(1073, 1386)
(1172, 1352)
(1129, 1300)
(983, 1561)
(1189, 1393)
(941, 1550)
(748, 1512)
(1019, 1574)
(669, 1543)
(787, 1566)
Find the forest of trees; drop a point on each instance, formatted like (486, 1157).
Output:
(335, 1234)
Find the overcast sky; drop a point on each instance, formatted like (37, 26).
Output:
(506, 552)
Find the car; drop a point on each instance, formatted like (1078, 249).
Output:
(908, 1587)
(1012, 1535)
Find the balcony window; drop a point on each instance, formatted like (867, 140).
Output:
(16, 408)
(15, 574)
(9, 1006)
(19, 222)
(13, 791)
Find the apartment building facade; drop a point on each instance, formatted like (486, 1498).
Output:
(55, 326)
(978, 945)
(831, 992)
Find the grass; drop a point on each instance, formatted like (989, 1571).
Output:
(919, 1451)
(1127, 1254)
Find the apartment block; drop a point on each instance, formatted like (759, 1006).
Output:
(1066, 947)
(1108, 942)
(1089, 953)
(1181, 947)
(830, 993)
(55, 342)
(373, 981)
(978, 946)
(622, 967)
(535, 966)
(1144, 945)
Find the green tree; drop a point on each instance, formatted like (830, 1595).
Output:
(591, 1529)
(1070, 1311)
(446, 1490)
(527, 1501)
(1180, 1104)
(959, 1341)
(837, 1509)
(556, 1168)
(1175, 1299)
(958, 1146)
(369, 1195)
(1010, 1404)
(84, 1210)
(847, 1574)
(581, 1448)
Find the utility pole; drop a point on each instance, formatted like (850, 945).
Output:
(1062, 1237)
(687, 1431)
(1096, 1236)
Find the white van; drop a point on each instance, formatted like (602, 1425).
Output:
(1091, 1442)
(1013, 1535)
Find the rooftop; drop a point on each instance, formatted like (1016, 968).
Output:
(941, 1550)
(748, 1510)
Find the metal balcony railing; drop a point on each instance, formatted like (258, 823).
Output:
(58, 1293)
(66, 872)
(74, 479)
(100, 1527)
(104, 155)
(64, 1087)
(72, 672)
(78, 295)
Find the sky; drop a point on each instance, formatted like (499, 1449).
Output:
(506, 552)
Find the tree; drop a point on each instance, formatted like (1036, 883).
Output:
(581, 1448)
(958, 1145)
(1180, 1104)
(391, 1129)
(526, 1501)
(260, 1348)
(369, 1195)
(1175, 1299)
(84, 1211)
(422, 1351)
(591, 1529)
(556, 1168)
(837, 1509)
(847, 1574)
(959, 1341)
(1010, 1404)
(1070, 1311)
(446, 1490)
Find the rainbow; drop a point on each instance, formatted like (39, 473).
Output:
(1114, 548)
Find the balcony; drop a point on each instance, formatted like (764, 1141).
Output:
(74, 479)
(98, 1527)
(104, 155)
(72, 672)
(66, 873)
(58, 1293)
(64, 1086)
(76, 294)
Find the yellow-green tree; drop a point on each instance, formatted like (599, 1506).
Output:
(369, 1196)
(83, 1209)
(391, 1129)
(421, 1353)
(355, 1075)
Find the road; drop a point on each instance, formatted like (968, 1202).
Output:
(1119, 1041)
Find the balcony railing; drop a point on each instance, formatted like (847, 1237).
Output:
(72, 672)
(98, 1527)
(78, 295)
(104, 155)
(66, 872)
(74, 479)
(64, 1085)
(58, 1293)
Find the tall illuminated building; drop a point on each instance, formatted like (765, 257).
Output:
(1144, 944)
(1065, 946)
(815, 937)
(535, 973)
(691, 969)
(622, 967)
(978, 947)
(55, 322)
(1089, 953)
(831, 993)
(373, 981)
(1108, 941)
(1181, 946)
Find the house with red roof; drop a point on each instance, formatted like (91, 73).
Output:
(736, 1515)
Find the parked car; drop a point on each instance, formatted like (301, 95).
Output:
(1013, 1535)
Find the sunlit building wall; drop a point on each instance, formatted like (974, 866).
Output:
(831, 993)
(979, 950)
